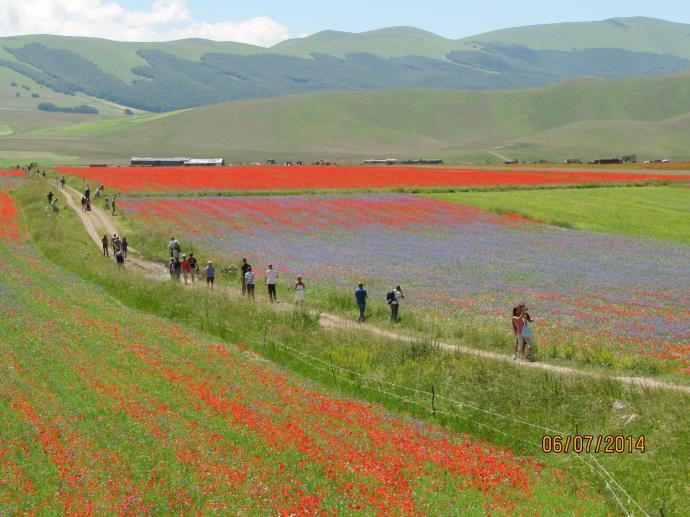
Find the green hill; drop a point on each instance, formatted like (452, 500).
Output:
(190, 73)
(583, 118)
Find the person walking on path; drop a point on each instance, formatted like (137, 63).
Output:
(299, 291)
(50, 195)
(107, 203)
(244, 268)
(120, 258)
(527, 336)
(178, 268)
(249, 281)
(113, 205)
(87, 193)
(518, 323)
(116, 243)
(104, 240)
(186, 268)
(271, 277)
(88, 204)
(210, 275)
(393, 298)
(62, 182)
(124, 247)
(361, 298)
(83, 204)
(194, 266)
(171, 268)
(172, 245)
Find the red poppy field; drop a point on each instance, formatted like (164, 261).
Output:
(107, 410)
(267, 178)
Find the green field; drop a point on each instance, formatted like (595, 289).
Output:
(654, 212)
(112, 340)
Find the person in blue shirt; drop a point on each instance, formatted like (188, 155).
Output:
(210, 275)
(361, 297)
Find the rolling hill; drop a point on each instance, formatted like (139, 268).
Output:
(584, 118)
(190, 73)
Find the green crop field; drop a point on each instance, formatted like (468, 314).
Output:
(654, 212)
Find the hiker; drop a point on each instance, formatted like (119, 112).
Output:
(119, 257)
(107, 203)
(271, 276)
(299, 291)
(113, 205)
(53, 205)
(244, 268)
(527, 336)
(50, 195)
(194, 266)
(361, 298)
(518, 323)
(88, 204)
(249, 282)
(115, 241)
(186, 268)
(393, 298)
(174, 248)
(124, 247)
(210, 275)
(104, 240)
(87, 193)
(62, 182)
(83, 203)
(171, 268)
(177, 266)
(97, 194)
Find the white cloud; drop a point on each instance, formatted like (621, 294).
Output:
(165, 20)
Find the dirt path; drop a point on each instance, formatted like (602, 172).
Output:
(97, 222)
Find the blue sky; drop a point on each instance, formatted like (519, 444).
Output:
(266, 22)
(449, 18)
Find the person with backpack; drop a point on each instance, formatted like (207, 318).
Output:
(271, 277)
(249, 281)
(361, 298)
(186, 268)
(194, 266)
(104, 240)
(210, 275)
(244, 268)
(393, 298)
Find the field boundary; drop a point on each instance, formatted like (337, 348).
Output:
(332, 321)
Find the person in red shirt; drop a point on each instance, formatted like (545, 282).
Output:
(518, 323)
(186, 268)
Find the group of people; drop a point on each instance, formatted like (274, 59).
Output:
(86, 199)
(522, 331)
(119, 248)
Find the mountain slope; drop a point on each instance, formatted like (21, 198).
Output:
(582, 118)
(189, 73)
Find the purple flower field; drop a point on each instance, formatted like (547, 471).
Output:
(592, 289)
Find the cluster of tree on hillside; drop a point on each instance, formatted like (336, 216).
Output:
(169, 82)
(82, 108)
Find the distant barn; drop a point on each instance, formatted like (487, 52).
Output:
(177, 162)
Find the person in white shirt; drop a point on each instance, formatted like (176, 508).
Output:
(271, 277)
(299, 291)
(249, 280)
(394, 302)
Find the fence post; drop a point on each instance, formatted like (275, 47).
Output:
(433, 399)
(332, 367)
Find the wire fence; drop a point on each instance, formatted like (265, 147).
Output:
(620, 495)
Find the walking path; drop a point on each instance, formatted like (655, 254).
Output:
(97, 222)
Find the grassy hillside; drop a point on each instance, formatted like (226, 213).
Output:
(637, 34)
(584, 118)
(189, 73)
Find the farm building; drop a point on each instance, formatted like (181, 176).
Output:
(177, 162)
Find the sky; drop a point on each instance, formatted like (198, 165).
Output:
(267, 22)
